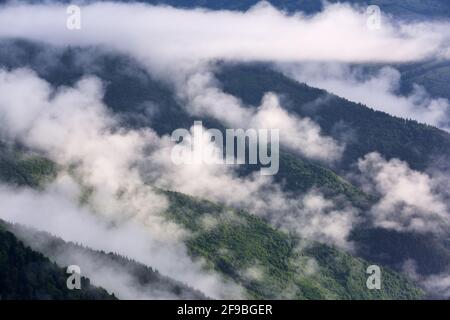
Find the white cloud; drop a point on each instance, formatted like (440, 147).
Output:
(299, 135)
(312, 216)
(438, 285)
(409, 200)
(262, 33)
(316, 218)
(72, 127)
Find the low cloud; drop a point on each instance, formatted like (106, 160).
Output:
(300, 135)
(261, 33)
(312, 216)
(319, 219)
(58, 212)
(408, 200)
(438, 285)
(203, 96)
(123, 214)
(72, 127)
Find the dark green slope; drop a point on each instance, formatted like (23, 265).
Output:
(20, 168)
(430, 253)
(26, 274)
(144, 278)
(434, 76)
(298, 175)
(269, 264)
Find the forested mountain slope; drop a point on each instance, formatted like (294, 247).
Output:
(423, 147)
(143, 279)
(418, 144)
(308, 232)
(266, 262)
(28, 275)
(129, 88)
(269, 263)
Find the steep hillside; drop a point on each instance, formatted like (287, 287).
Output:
(130, 87)
(270, 264)
(17, 167)
(141, 100)
(417, 144)
(21, 168)
(145, 281)
(103, 104)
(421, 146)
(266, 262)
(26, 275)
